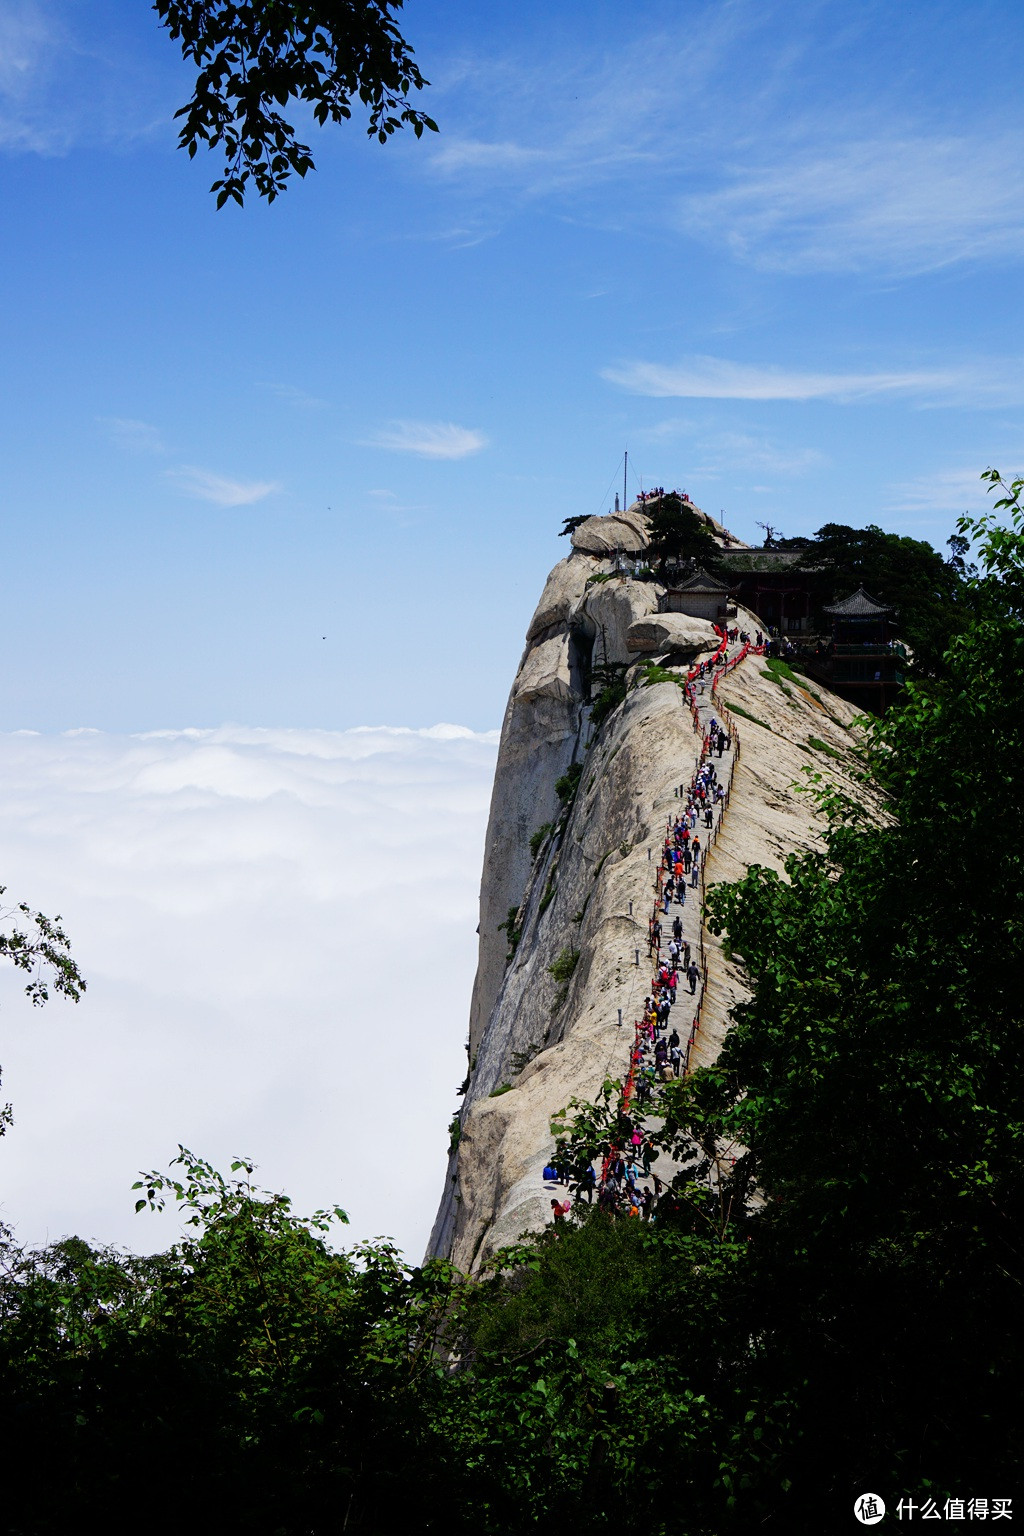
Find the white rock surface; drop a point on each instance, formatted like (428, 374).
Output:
(670, 631)
(609, 611)
(545, 672)
(562, 591)
(604, 535)
(576, 894)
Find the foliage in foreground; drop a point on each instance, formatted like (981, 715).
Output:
(253, 58)
(278, 1384)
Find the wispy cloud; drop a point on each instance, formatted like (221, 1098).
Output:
(25, 35)
(428, 439)
(65, 81)
(457, 156)
(908, 202)
(219, 489)
(291, 395)
(790, 172)
(716, 378)
(713, 453)
(741, 450)
(28, 40)
(947, 490)
(132, 436)
(390, 505)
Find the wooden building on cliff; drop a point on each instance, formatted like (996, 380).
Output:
(863, 662)
(778, 585)
(701, 596)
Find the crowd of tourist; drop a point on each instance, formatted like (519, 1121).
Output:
(659, 1054)
(658, 491)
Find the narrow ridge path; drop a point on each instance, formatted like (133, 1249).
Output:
(710, 782)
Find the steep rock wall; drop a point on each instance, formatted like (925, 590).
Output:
(535, 1042)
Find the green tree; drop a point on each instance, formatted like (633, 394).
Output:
(678, 532)
(255, 56)
(284, 1386)
(930, 593)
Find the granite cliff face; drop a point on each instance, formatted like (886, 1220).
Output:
(579, 900)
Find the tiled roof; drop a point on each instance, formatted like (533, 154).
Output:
(700, 581)
(859, 605)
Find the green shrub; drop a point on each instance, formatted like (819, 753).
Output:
(513, 933)
(496, 1093)
(823, 746)
(569, 783)
(777, 669)
(655, 674)
(538, 838)
(736, 709)
(602, 861)
(521, 1059)
(562, 968)
(589, 1283)
(612, 694)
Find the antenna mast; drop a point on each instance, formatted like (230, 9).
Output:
(625, 468)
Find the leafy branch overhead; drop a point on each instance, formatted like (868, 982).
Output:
(256, 57)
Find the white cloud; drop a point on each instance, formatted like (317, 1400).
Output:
(24, 38)
(277, 927)
(221, 490)
(428, 439)
(947, 490)
(720, 451)
(907, 202)
(27, 42)
(292, 395)
(538, 121)
(460, 155)
(756, 133)
(132, 436)
(65, 81)
(715, 378)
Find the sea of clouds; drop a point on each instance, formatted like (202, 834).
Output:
(278, 932)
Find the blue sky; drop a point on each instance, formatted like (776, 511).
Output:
(774, 249)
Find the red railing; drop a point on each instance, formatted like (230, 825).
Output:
(719, 666)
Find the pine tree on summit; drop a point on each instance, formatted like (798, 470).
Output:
(678, 532)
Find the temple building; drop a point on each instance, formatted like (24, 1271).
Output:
(863, 662)
(777, 585)
(701, 596)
